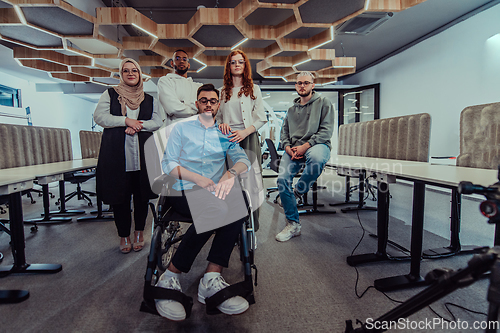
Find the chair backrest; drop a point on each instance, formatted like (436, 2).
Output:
(480, 136)
(90, 143)
(275, 158)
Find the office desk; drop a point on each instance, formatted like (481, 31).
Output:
(421, 174)
(12, 182)
(52, 172)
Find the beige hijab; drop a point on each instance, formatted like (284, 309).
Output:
(127, 95)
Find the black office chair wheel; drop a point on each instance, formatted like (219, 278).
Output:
(90, 204)
(34, 228)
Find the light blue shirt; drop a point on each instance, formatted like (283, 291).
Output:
(201, 150)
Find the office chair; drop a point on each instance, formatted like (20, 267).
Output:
(274, 164)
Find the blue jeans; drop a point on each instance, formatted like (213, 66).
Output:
(313, 162)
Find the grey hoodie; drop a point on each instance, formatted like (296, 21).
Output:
(312, 122)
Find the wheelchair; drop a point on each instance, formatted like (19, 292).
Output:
(167, 232)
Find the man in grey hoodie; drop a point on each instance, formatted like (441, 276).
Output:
(177, 92)
(305, 135)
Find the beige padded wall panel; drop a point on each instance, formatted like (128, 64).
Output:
(479, 136)
(29, 145)
(424, 137)
(385, 143)
(413, 141)
(362, 129)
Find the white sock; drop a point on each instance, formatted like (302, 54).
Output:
(168, 274)
(208, 276)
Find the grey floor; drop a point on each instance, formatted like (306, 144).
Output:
(304, 284)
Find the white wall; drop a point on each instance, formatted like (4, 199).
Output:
(49, 110)
(441, 76)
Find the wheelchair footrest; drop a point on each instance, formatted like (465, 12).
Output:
(151, 293)
(243, 289)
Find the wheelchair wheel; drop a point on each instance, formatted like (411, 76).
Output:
(169, 243)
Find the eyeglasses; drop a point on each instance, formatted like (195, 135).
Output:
(305, 83)
(134, 70)
(185, 59)
(212, 101)
(234, 62)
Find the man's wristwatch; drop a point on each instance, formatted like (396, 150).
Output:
(233, 172)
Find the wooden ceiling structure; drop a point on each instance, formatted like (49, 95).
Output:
(56, 37)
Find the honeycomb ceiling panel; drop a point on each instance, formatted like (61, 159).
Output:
(107, 80)
(170, 15)
(260, 44)
(288, 53)
(210, 72)
(314, 65)
(111, 63)
(5, 5)
(93, 46)
(328, 11)
(305, 32)
(58, 20)
(176, 42)
(221, 53)
(172, 5)
(279, 1)
(218, 35)
(268, 16)
(30, 36)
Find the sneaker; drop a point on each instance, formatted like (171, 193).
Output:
(232, 306)
(291, 230)
(168, 308)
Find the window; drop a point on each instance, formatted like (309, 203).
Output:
(10, 96)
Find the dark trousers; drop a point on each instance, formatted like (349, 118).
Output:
(122, 214)
(225, 237)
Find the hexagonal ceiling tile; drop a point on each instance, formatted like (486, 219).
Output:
(218, 35)
(94, 46)
(327, 11)
(30, 36)
(58, 20)
(261, 16)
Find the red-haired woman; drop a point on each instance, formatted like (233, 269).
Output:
(241, 114)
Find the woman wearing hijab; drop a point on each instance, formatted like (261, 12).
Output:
(241, 114)
(128, 116)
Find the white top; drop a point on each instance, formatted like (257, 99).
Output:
(177, 96)
(104, 118)
(252, 110)
(233, 115)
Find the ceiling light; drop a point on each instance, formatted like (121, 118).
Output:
(367, 4)
(20, 14)
(331, 82)
(80, 53)
(201, 68)
(350, 66)
(266, 97)
(302, 62)
(239, 43)
(276, 77)
(144, 30)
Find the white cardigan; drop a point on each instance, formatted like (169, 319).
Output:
(252, 109)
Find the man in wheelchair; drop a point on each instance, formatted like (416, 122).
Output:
(196, 156)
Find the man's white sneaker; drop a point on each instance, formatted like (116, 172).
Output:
(234, 305)
(168, 308)
(291, 230)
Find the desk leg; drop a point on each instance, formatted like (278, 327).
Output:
(63, 211)
(99, 217)
(417, 231)
(455, 247)
(47, 219)
(18, 245)
(315, 205)
(361, 192)
(382, 229)
(347, 194)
